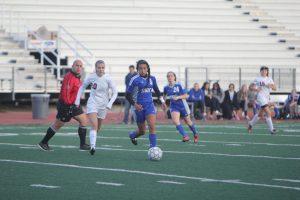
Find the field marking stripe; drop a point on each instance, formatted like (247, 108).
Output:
(109, 183)
(163, 131)
(201, 132)
(206, 141)
(175, 152)
(8, 134)
(26, 147)
(213, 133)
(287, 180)
(233, 144)
(171, 182)
(176, 140)
(151, 174)
(107, 145)
(45, 186)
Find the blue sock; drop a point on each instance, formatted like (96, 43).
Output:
(193, 129)
(181, 130)
(152, 139)
(132, 134)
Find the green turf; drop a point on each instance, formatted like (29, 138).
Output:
(226, 153)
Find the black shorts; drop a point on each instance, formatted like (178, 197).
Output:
(66, 112)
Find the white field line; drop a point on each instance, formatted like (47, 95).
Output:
(201, 132)
(233, 144)
(8, 134)
(176, 140)
(287, 180)
(174, 152)
(109, 183)
(213, 132)
(151, 174)
(113, 146)
(171, 182)
(207, 141)
(292, 130)
(26, 147)
(44, 186)
(197, 145)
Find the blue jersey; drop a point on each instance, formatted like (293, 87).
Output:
(175, 90)
(145, 87)
(196, 95)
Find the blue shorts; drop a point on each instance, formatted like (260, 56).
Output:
(148, 109)
(184, 111)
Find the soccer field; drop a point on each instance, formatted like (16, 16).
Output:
(228, 163)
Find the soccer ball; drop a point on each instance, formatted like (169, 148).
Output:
(155, 153)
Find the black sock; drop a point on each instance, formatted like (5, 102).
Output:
(48, 136)
(82, 134)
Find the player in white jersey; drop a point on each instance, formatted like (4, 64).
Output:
(264, 84)
(98, 102)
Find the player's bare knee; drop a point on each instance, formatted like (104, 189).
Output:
(188, 121)
(152, 129)
(82, 119)
(57, 125)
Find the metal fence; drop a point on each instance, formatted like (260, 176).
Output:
(16, 80)
(284, 78)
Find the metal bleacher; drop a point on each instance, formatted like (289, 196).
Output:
(217, 35)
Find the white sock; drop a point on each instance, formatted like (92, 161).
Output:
(254, 120)
(93, 137)
(270, 123)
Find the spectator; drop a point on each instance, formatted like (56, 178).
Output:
(196, 96)
(242, 98)
(207, 98)
(127, 105)
(230, 103)
(291, 106)
(217, 99)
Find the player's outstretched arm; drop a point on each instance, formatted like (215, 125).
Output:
(81, 90)
(113, 87)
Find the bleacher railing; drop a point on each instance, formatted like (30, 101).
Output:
(77, 47)
(15, 26)
(284, 78)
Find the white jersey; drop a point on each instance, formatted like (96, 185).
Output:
(99, 95)
(263, 96)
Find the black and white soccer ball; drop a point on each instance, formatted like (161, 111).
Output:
(155, 153)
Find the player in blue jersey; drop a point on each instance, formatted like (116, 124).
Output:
(179, 107)
(145, 84)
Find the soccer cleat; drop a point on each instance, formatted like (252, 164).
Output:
(196, 138)
(273, 132)
(249, 128)
(133, 141)
(185, 138)
(92, 151)
(84, 147)
(44, 147)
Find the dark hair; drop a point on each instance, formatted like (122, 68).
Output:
(131, 66)
(265, 68)
(231, 84)
(173, 74)
(140, 62)
(99, 62)
(218, 86)
(204, 84)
